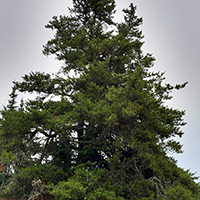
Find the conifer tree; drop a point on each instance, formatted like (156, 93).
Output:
(103, 112)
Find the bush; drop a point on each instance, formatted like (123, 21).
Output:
(87, 185)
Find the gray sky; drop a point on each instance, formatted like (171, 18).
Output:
(171, 29)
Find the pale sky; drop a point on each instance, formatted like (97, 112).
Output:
(171, 29)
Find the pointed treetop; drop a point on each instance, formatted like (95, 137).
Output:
(94, 11)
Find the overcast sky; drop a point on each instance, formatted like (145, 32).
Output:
(171, 29)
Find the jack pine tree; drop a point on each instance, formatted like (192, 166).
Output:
(106, 112)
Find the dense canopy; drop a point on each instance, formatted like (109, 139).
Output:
(99, 128)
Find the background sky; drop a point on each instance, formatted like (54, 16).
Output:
(171, 29)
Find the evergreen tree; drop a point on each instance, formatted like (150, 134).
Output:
(103, 111)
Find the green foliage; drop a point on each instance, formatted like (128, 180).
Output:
(178, 192)
(104, 110)
(11, 190)
(104, 194)
(88, 185)
(48, 173)
(19, 184)
(69, 190)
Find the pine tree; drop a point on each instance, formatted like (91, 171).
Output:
(106, 112)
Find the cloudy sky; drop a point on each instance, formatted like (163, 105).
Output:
(171, 29)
